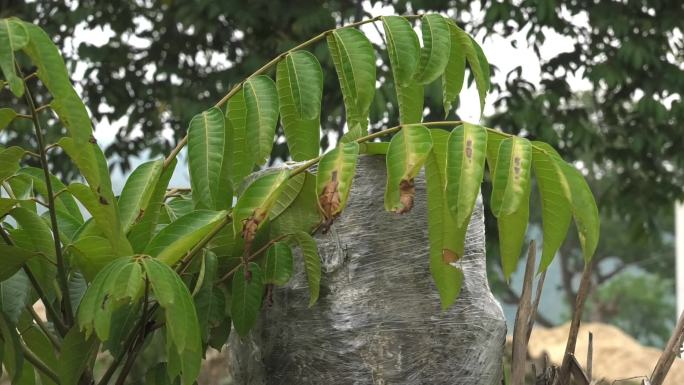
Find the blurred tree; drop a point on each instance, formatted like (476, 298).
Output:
(164, 62)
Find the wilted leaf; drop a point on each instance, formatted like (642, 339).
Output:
(334, 178)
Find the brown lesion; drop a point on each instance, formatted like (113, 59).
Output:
(102, 199)
(250, 226)
(516, 167)
(449, 256)
(330, 201)
(469, 149)
(407, 193)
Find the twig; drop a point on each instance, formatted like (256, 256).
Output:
(582, 293)
(252, 256)
(522, 320)
(590, 356)
(61, 268)
(36, 318)
(38, 363)
(669, 354)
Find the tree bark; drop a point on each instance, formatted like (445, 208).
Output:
(378, 319)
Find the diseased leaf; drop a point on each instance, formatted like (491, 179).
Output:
(334, 178)
(354, 60)
(254, 205)
(278, 264)
(106, 217)
(206, 144)
(466, 153)
(261, 98)
(434, 55)
(242, 145)
(176, 239)
(446, 237)
(247, 291)
(137, 192)
(299, 81)
(312, 263)
(7, 115)
(512, 176)
(13, 37)
(556, 207)
(408, 151)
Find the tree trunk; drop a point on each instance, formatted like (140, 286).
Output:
(378, 319)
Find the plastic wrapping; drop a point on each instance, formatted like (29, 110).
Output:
(378, 320)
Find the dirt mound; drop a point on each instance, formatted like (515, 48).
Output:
(616, 355)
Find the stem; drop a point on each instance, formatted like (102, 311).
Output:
(42, 326)
(252, 256)
(185, 261)
(582, 293)
(38, 363)
(61, 269)
(56, 319)
(133, 351)
(267, 67)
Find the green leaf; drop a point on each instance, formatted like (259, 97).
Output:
(288, 194)
(63, 202)
(142, 230)
(334, 178)
(14, 296)
(454, 73)
(408, 151)
(434, 55)
(7, 115)
(512, 229)
(13, 37)
(512, 176)
(403, 49)
(94, 301)
(242, 146)
(13, 258)
(584, 210)
(106, 216)
(446, 237)
(261, 98)
(206, 303)
(254, 205)
(556, 207)
(181, 318)
(12, 357)
(303, 214)
(476, 59)
(206, 142)
(77, 351)
(466, 153)
(354, 60)
(128, 283)
(137, 192)
(245, 303)
(6, 204)
(91, 254)
(9, 161)
(299, 81)
(41, 346)
(38, 232)
(176, 239)
(278, 264)
(312, 263)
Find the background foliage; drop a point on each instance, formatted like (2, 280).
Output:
(154, 71)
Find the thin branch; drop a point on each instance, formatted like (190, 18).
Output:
(36, 318)
(522, 318)
(30, 76)
(185, 261)
(671, 351)
(172, 155)
(41, 108)
(31, 154)
(61, 267)
(22, 116)
(582, 293)
(252, 256)
(38, 363)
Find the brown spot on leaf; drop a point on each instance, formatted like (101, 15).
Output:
(250, 226)
(92, 139)
(407, 191)
(469, 149)
(449, 256)
(329, 199)
(248, 275)
(103, 201)
(140, 215)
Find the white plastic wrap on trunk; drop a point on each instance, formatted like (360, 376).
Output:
(378, 320)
